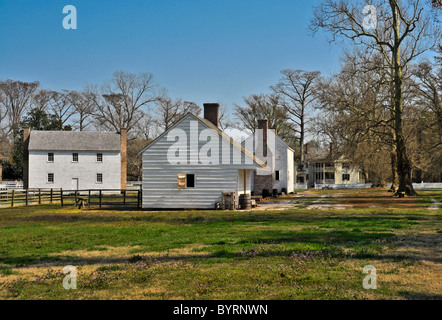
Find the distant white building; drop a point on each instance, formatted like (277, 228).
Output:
(329, 167)
(282, 175)
(75, 160)
(192, 163)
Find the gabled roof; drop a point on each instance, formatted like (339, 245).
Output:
(74, 141)
(210, 125)
(322, 154)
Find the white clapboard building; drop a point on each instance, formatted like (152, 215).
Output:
(75, 160)
(192, 163)
(268, 146)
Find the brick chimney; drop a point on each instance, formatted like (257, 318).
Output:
(263, 125)
(211, 113)
(26, 134)
(123, 141)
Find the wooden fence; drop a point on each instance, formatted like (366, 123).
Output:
(80, 198)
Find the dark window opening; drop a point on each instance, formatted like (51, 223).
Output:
(329, 176)
(277, 175)
(190, 180)
(75, 157)
(50, 177)
(50, 157)
(99, 157)
(346, 177)
(99, 178)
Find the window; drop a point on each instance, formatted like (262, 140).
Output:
(190, 180)
(99, 178)
(50, 157)
(277, 175)
(329, 176)
(345, 177)
(75, 157)
(50, 178)
(319, 175)
(99, 157)
(186, 181)
(300, 179)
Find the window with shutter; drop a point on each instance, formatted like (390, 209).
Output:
(181, 181)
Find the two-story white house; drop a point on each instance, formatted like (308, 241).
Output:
(329, 167)
(75, 160)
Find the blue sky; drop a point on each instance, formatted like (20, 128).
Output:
(199, 50)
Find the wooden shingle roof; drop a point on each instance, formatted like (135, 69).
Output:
(74, 141)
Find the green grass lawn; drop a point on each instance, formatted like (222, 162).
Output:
(282, 254)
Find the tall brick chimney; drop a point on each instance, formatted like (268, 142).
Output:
(26, 134)
(264, 126)
(123, 141)
(211, 113)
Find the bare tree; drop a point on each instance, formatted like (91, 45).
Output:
(297, 91)
(122, 100)
(268, 107)
(61, 106)
(170, 111)
(41, 100)
(15, 99)
(354, 116)
(83, 108)
(402, 33)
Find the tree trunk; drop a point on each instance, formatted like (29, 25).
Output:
(301, 143)
(394, 177)
(403, 163)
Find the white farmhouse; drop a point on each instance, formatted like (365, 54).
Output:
(267, 143)
(192, 163)
(330, 168)
(75, 160)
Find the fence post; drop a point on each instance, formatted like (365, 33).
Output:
(75, 197)
(100, 199)
(124, 197)
(39, 196)
(26, 196)
(61, 196)
(89, 197)
(138, 199)
(12, 199)
(51, 195)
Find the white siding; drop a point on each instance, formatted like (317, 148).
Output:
(160, 177)
(65, 170)
(290, 171)
(284, 163)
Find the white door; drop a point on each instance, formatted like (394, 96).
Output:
(74, 184)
